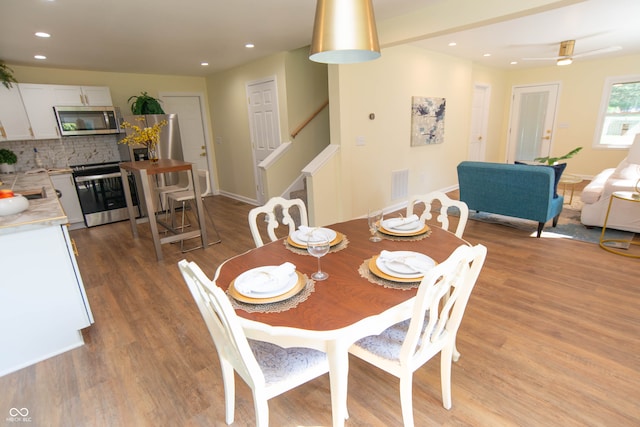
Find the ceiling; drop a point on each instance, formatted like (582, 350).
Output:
(593, 24)
(158, 37)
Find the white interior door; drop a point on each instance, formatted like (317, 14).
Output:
(479, 122)
(533, 113)
(193, 132)
(264, 125)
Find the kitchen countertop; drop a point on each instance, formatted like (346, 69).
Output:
(43, 212)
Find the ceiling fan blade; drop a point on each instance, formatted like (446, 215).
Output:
(598, 51)
(542, 59)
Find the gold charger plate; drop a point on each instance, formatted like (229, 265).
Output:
(293, 291)
(405, 234)
(373, 267)
(338, 239)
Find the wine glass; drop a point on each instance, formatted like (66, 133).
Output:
(375, 218)
(318, 248)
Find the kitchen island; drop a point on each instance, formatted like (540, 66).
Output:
(43, 303)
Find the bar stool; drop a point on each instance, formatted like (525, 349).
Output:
(185, 196)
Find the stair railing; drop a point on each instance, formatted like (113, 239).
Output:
(308, 120)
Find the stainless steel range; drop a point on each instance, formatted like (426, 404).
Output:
(99, 188)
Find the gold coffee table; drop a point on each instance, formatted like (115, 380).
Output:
(621, 196)
(569, 179)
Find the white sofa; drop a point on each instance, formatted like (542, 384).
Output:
(596, 195)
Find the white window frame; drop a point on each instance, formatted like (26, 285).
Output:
(623, 142)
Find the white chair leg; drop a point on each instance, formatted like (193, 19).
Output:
(406, 398)
(262, 409)
(445, 375)
(228, 379)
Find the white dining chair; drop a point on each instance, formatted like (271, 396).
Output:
(276, 207)
(437, 312)
(185, 196)
(445, 203)
(267, 369)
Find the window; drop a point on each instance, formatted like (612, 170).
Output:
(619, 120)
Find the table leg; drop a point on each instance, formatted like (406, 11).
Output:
(151, 212)
(613, 242)
(127, 195)
(573, 187)
(199, 206)
(339, 377)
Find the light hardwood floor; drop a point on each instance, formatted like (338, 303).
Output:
(551, 337)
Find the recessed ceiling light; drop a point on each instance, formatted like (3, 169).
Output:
(249, 45)
(40, 57)
(513, 62)
(487, 54)
(43, 35)
(453, 44)
(204, 64)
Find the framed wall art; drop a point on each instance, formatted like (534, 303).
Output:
(427, 120)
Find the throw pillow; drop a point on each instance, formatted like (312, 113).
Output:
(557, 169)
(625, 170)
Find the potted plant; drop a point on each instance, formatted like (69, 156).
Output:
(6, 75)
(558, 168)
(8, 160)
(554, 160)
(145, 104)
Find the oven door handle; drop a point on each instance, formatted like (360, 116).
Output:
(97, 177)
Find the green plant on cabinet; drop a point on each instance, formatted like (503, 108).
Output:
(145, 104)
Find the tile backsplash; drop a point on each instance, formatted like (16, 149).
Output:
(64, 152)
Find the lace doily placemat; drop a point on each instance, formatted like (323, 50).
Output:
(275, 307)
(340, 246)
(367, 274)
(406, 238)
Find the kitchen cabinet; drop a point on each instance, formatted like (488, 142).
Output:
(43, 304)
(82, 95)
(39, 100)
(14, 122)
(65, 184)
(38, 103)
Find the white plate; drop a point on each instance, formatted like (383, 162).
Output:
(257, 293)
(406, 228)
(398, 269)
(302, 238)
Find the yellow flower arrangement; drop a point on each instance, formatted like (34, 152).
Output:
(148, 136)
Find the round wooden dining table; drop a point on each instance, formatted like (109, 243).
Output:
(341, 309)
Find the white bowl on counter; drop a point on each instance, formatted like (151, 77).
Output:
(13, 205)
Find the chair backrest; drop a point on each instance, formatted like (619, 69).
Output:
(271, 217)
(222, 322)
(445, 203)
(440, 303)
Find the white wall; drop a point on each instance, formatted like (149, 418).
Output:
(385, 87)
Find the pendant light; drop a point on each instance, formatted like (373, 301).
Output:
(344, 32)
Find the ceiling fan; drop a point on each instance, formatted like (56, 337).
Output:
(566, 56)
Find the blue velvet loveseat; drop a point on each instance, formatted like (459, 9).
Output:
(521, 191)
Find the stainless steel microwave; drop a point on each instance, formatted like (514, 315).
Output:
(73, 121)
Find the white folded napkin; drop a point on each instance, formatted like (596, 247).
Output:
(311, 234)
(260, 281)
(413, 262)
(401, 223)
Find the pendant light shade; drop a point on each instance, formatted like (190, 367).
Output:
(344, 32)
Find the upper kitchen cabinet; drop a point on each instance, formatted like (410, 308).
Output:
(82, 96)
(38, 103)
(14, 122)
